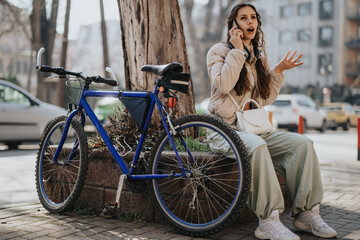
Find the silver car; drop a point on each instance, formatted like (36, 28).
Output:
(23, 117)
(288, 108)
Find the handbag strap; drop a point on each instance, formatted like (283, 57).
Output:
(242, 108)
(255, 89)
(236, 104)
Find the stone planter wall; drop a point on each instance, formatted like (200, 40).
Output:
(101, 186)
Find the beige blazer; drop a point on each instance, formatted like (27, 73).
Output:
(224, 67)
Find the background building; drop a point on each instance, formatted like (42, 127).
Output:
(16, 62)
(315, 29)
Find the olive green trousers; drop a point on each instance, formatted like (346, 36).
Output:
(294, 157)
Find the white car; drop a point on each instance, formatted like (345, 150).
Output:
(288, 108)
(23, 117)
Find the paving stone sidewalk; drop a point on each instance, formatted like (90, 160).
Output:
(340, 208)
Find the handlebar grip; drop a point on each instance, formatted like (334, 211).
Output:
(110, 82)
(45, 68)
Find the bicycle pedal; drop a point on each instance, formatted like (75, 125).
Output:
(109, 205)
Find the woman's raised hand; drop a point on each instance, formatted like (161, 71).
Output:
(235, 37)
(286, 64)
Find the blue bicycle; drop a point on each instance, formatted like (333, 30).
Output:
(198, 173)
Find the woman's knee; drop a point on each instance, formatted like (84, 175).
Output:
(252, 142)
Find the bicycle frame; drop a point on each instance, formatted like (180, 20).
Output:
(83, 104)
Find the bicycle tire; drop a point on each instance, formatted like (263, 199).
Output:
(201, 217)
(59, 185)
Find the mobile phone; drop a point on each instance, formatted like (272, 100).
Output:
(238, 27)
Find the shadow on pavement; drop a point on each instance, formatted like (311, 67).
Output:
(34, 221)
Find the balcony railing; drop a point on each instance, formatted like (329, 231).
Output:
(353, 69)
(353, 43)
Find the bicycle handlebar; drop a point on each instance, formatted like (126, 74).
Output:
(62, 71)
(99, 79)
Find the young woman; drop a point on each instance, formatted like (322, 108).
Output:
(239, 67)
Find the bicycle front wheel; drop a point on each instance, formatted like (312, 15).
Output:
(59, 183)
(218, 175)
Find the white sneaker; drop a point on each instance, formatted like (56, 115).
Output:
(311, 220)
(272, 228)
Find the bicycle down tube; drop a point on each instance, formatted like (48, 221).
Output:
(120, 161)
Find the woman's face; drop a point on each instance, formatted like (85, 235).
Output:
(247, 20)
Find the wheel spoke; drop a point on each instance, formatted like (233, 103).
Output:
(58, 182)
(215, 181)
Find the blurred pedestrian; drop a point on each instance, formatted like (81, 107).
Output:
(239, 67)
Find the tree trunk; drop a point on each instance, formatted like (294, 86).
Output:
(152, 33)
(43, 35)
(61, 84)
(201, 84)
(51, 31)
(38, 7)
(203, 34)
(104, 39)
(28, 82)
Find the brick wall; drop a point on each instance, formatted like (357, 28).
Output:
(101, 186)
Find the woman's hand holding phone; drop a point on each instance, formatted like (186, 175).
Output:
(235, 37)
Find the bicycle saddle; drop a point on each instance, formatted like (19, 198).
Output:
(163, 69)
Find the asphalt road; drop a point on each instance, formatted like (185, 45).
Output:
(17, 167)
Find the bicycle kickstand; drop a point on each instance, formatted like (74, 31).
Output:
(116, 204)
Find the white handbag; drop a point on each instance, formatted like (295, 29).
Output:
(253, 120)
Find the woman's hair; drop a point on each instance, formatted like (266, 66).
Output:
(263, 79)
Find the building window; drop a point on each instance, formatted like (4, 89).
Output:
(304, 9)
(1, 67)
(326, 9)
(25, 69)
(18, 67)
(286, 36)
(326, 66)
(325, 36)
(286, 11)
(304, 35)
(10, 68)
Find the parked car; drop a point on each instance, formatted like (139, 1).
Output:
(287, 110)
(342, 113)
(23, 117)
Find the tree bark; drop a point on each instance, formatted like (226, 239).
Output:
(43, 35)
(38, 7)
(152, 33)
(61, 84)
(203, 36)
(51, 31)
(104, 39)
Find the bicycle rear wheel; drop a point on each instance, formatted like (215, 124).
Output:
(218, 187)
(59, 184)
